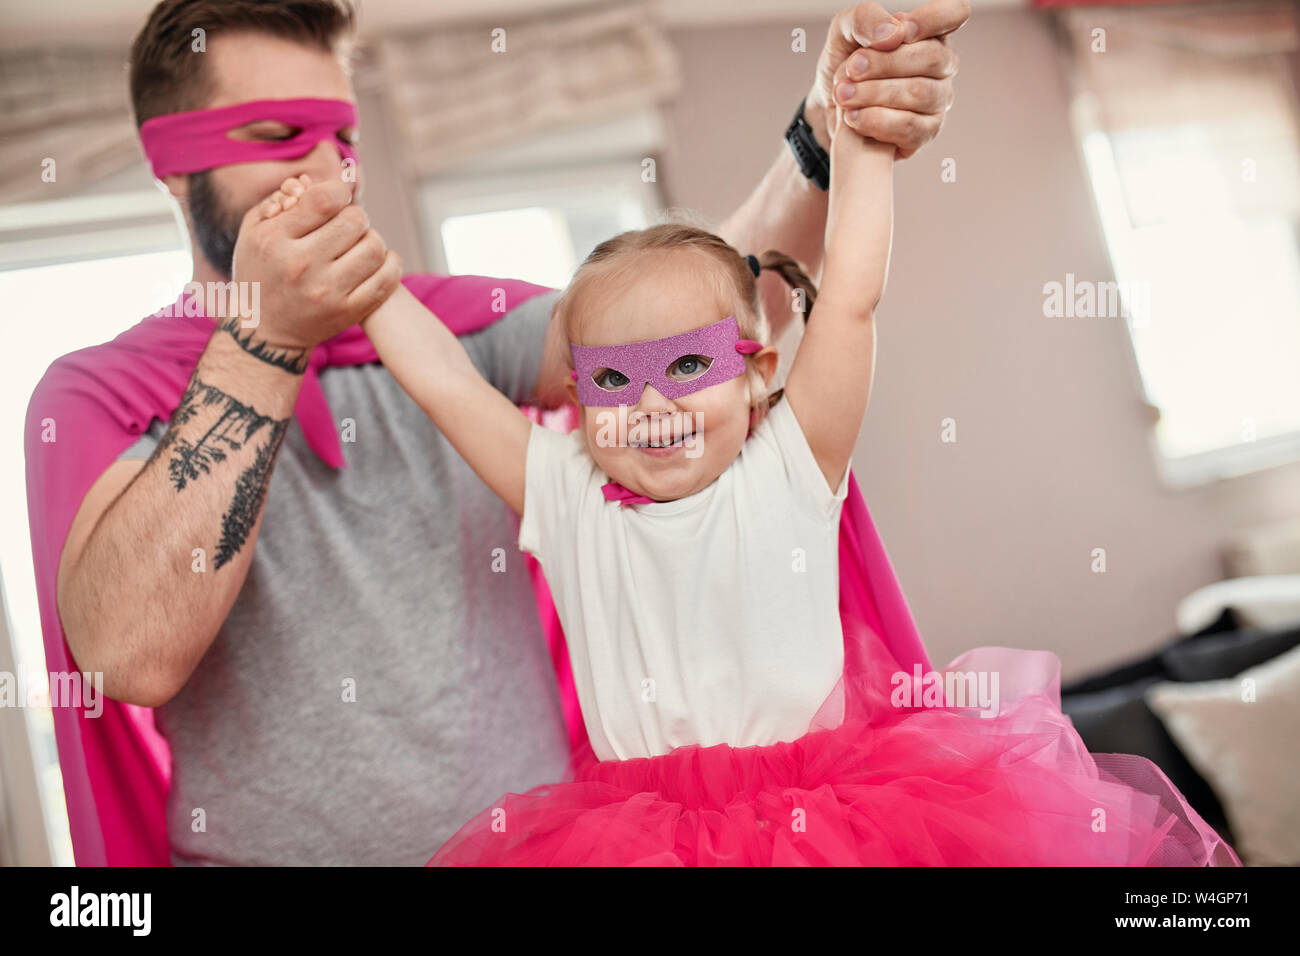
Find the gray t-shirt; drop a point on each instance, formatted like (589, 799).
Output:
(378, 577)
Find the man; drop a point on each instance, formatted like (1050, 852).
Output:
(344, 667)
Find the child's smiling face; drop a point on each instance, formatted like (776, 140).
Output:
(660, 447)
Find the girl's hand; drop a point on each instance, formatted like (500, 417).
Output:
(849, 150)
(844, 136)
(318, 264)
(287, 196)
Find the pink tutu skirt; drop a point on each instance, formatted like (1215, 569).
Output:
(897, 783)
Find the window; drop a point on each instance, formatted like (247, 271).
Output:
(1187, 124)
(73, 273)
(533, 212)
(538, 228)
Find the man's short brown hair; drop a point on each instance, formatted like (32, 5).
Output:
(167, 76)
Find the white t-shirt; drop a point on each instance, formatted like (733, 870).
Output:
(710, 619)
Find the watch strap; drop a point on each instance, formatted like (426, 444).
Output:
(808, 153)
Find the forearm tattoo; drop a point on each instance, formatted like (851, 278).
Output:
(291, 360)
(236, 426)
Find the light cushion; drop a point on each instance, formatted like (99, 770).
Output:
(1248, 750)
(1271, 602)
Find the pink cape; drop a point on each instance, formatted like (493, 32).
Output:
(116, 767)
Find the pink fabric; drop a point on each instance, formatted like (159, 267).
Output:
(613, 491)
(648, 363)
(196, 141)
(116, 767)
(564, 419)
(898, 783)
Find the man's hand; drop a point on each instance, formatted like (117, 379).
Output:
(320, 266)
(902, 94)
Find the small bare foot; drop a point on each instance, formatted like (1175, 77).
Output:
(286, 197)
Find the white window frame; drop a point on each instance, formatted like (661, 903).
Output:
(76, 228)
(126, 222)
(559, 168)
(25, 839)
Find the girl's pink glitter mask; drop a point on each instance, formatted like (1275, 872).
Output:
(647, 363)
(196, 141)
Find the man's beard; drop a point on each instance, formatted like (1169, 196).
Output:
(215, 227)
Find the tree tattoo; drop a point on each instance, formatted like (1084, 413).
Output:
(250, 493)
(291, 360)
(236, 425)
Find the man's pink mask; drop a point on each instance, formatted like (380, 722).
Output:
(197, 141)
(649, 363)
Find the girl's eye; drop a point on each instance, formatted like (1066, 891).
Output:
(688, 367)
(610, 380)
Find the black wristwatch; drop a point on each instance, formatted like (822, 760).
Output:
(808, 153)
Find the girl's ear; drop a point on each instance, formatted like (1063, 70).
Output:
(571, 390)
(766, 360)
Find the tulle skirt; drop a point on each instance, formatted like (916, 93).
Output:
(910, 777)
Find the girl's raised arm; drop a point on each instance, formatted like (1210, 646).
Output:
(432, 366)
(830, 380)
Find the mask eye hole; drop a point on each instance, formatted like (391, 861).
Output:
(265, 131)
(610, 380)
(689, 367)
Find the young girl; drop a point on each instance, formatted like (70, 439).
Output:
(689, 530)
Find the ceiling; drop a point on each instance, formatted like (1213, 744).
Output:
(24, 22)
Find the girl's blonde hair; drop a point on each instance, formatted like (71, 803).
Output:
(615, 261)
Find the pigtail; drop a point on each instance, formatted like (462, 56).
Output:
(794, 276)
(798, 280)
